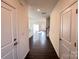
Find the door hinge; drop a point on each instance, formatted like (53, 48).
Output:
(75, 44)
(76, 11)
(60, 39)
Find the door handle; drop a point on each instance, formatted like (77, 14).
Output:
(14, 39)
(15, 43)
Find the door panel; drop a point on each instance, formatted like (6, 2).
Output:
(66, 26)
(66, 52)
(73, 56)
(66, 18)
(68, 33)
(8, 56)
(6, 49)
(7, 32)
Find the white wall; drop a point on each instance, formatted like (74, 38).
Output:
(55, 22)
(23, 31)
(22, 27)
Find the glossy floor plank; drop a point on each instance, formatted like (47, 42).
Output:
(41, 48)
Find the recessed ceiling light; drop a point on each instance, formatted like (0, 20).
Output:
(38, 10)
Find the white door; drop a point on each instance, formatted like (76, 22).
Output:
(8, 32)
(68, 41)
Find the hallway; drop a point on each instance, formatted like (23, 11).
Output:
(41, 48)
(39, 29)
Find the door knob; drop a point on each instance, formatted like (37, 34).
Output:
(15, 43)
(14, 39)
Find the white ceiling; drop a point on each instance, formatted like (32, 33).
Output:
(45, 6)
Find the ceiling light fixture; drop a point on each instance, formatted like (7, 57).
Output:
(38, 10)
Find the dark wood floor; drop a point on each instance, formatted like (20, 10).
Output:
(41, 48)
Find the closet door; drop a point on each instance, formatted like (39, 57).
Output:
(8, 43)
(68, 33)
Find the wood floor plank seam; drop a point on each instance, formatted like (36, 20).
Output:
(41, 49)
